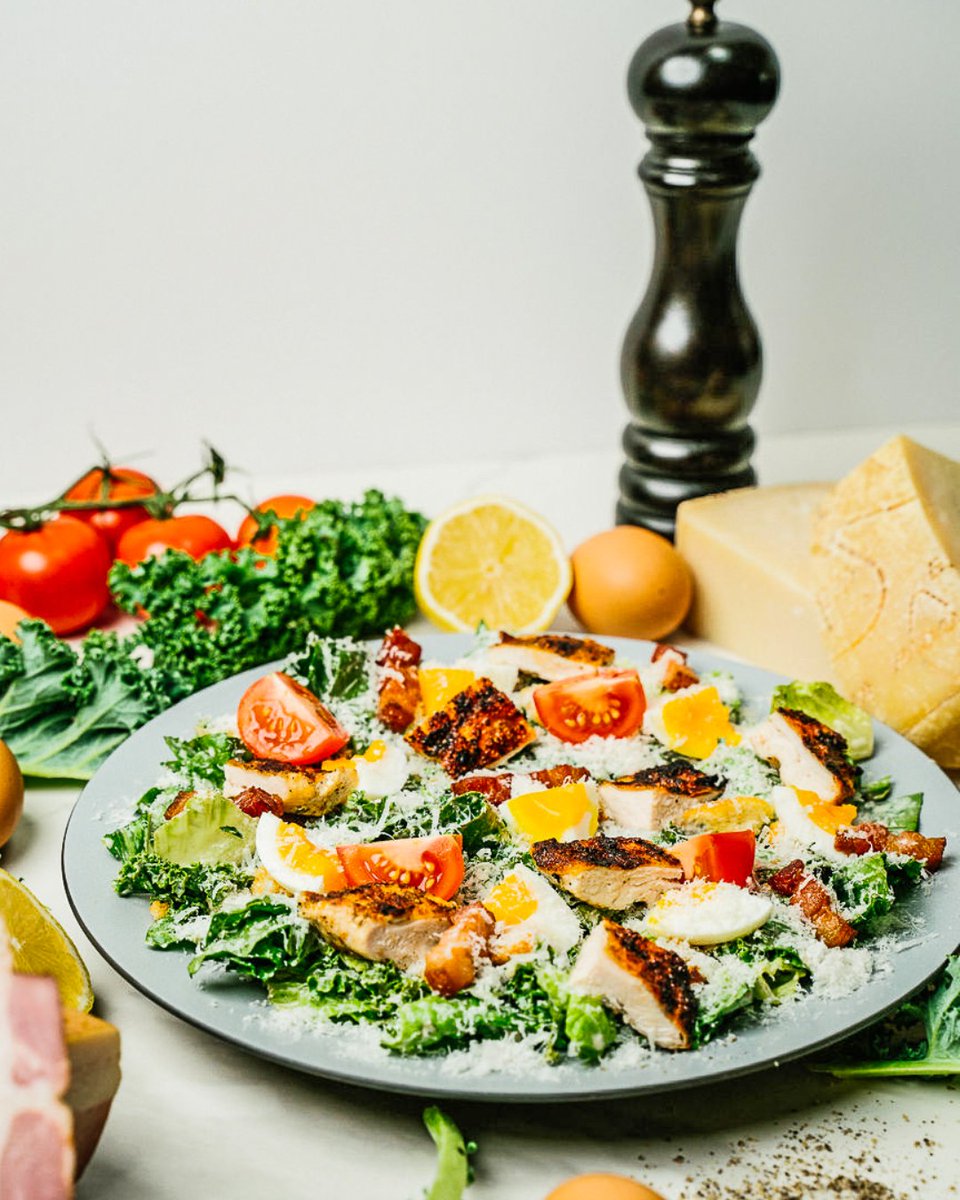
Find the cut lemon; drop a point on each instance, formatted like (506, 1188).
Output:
(492, 560)
(40, 944)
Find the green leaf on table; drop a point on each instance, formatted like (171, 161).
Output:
(454, 1173)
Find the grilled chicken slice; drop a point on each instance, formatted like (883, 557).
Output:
(649, 985)
(479, 727)
(498, 788)
(380, 921)
(311, 791)
(451, 965)
(809, 755)
(657, 796)
(550, 655)
(609, 872)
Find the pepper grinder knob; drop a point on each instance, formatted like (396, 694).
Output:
(691, 361)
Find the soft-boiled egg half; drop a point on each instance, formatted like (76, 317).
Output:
(804, 821)
(691, 722)
(382, 769)
(705, 913)
(294, 861)
(565, 813)
(528, 911)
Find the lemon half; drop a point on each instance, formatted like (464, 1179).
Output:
(493, 560)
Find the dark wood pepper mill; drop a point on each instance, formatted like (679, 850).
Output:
(691, 361)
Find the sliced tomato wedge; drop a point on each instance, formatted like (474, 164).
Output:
(609, 703)
(282, 720)
(720, 857)
(432, 864)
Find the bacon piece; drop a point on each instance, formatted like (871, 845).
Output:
(498, 788)
(676, 673)
(451, 965)
(177, 805)
(814, 901)
(398, 688)
(871, 837)
(254, 802)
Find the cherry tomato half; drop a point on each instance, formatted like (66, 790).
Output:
(196, 534)
(720, 857)
(280, 506)
(432, 864)
(280, 719)
(122, 483)
(57, 572)
(610, 703)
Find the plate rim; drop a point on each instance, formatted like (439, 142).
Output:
(570, 1082)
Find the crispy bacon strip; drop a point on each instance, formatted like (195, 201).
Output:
(451, 965)
(398, 688)
(254, 802)
(814, 901)
(177, 805)
(871, 837)
(498, 788)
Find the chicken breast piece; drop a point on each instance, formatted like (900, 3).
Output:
(657, 796)
(550, 655)
(479, 727)
(808, 754)
(648, 984)
(311, 791)
(609, 872)
(380, 921)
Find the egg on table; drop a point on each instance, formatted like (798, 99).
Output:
(692, 722)
(528, 911)
(293, 860)
(603, 1187)
(705, 913)
(566, 813)
(804, 821)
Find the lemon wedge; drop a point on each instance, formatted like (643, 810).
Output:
(491, 559)
(40, 944)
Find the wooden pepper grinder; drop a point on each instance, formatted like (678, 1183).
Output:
(691, 361)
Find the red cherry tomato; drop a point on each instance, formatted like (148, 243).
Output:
(610, 703)
(122, 483)
(280, 506)
(720, 857)
(432, 864)
(281, 720)
(196, 534)
(57, 572)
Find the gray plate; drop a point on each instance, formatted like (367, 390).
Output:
(230, 1010)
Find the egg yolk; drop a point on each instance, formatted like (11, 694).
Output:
(373, 753)
(554, 812)
(511, 901)
(299, 853)
(828, 817)
(439, 685)
(695, 724)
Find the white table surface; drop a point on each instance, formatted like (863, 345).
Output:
(198, 1118)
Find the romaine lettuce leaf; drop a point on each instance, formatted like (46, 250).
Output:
(863, 888)
(210, 830)
(453, 1157)
(824, 703)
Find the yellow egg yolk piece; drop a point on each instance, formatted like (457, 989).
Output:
(511, 901)
(568, 811)
(730, 814)
(438, 685)
(822, 813)
(297, 851)
(695, 724)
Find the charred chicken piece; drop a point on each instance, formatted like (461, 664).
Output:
(479, 727)
(809, 755)
(551, 656)
(607, 872)
(657, 796)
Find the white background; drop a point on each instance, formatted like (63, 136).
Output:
(373, 232)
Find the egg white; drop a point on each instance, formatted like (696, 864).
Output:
(796, 832)
(268, 826)
(384, 776)
(552, 923)
(705, 913)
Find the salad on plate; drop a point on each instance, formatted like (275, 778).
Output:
(538, 845)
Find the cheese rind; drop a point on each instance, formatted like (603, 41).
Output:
(749, 553)
(886, 563)
(93, 1048)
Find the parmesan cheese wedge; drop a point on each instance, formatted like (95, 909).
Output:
(749, 551)
(93, 1048)
(886, 564)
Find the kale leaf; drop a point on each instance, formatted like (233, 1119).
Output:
(201, 759)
